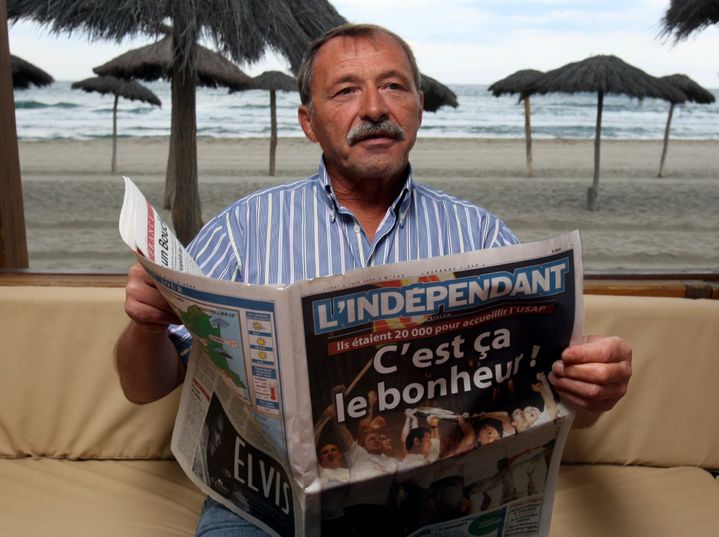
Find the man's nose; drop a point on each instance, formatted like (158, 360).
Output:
(374, 107)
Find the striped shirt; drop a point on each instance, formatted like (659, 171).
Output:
(300, 231)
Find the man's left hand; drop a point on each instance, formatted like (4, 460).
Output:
(593, 376)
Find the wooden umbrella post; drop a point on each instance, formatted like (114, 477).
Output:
(666, 140)
(13, 242)
(113, 166)
(186, 213)
(593, 191)
(528, 133)
(273, 130)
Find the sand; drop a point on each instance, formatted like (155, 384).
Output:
(72, 201)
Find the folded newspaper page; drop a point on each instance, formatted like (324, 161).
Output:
(406, 399)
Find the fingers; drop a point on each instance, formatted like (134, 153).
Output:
(596, 373)
(598, 349)
(144, 304)
(588, 395)
(593, 375)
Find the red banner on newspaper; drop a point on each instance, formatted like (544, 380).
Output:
(414, 331)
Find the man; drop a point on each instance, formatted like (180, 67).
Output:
(421, 448)
(371, 496)
(532, 414)
(418, 445)
(361, 103)
(215, 454)
(331, 467)
(333, 475)
(421, 444)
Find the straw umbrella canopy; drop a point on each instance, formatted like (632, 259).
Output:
(25, 74)
(684, 17)
(127, 89)
(273, 81)
(241, 29)
(155, 61)
(436, 94)
(693, 92)
(522, 82)
(604, 75)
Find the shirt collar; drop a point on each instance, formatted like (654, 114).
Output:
(400, 206)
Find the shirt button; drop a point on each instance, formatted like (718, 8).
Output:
(357, 228)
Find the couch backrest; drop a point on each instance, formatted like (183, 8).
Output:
(669, 415)
(59, 391)
(60, 396)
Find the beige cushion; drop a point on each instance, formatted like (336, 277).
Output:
(59, 393)
(614, 501)
(154, 499)
(66, 498)
(668, 417)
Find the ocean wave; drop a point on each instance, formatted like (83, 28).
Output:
(138, 110)
(249, 106)
(28, 105)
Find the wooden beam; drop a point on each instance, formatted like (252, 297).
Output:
(13, 243)
(668, 288)
(60, 279)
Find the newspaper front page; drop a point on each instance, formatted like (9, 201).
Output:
(406, 399)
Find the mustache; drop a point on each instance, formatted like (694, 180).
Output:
(368, 129)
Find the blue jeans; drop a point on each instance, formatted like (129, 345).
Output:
(218, 521)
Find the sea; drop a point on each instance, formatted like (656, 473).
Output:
(59, 112)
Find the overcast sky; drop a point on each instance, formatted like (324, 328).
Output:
(460, 41)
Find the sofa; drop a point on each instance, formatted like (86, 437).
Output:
(77, 459)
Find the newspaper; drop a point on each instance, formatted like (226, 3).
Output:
(405, 399)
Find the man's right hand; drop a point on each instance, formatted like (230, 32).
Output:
(147, 361)
(144, 304)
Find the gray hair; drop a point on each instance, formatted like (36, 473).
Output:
(304, 75)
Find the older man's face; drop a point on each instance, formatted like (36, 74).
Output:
(365, 109)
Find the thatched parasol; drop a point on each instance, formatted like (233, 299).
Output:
(273, 81)
(25, 74)
(692, 92)
(154, 61)
(603, 75)
(522, 82)
(241, 29)
(436, 94)
(683, 17)
(127, 89)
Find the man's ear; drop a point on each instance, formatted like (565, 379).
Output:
(304, 117)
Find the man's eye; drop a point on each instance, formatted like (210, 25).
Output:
(344, 91)
(394, 86)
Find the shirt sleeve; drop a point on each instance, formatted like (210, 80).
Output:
(182, 340)
(217, 246)
(496, 233)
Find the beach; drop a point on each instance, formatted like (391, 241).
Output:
(72, 201)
